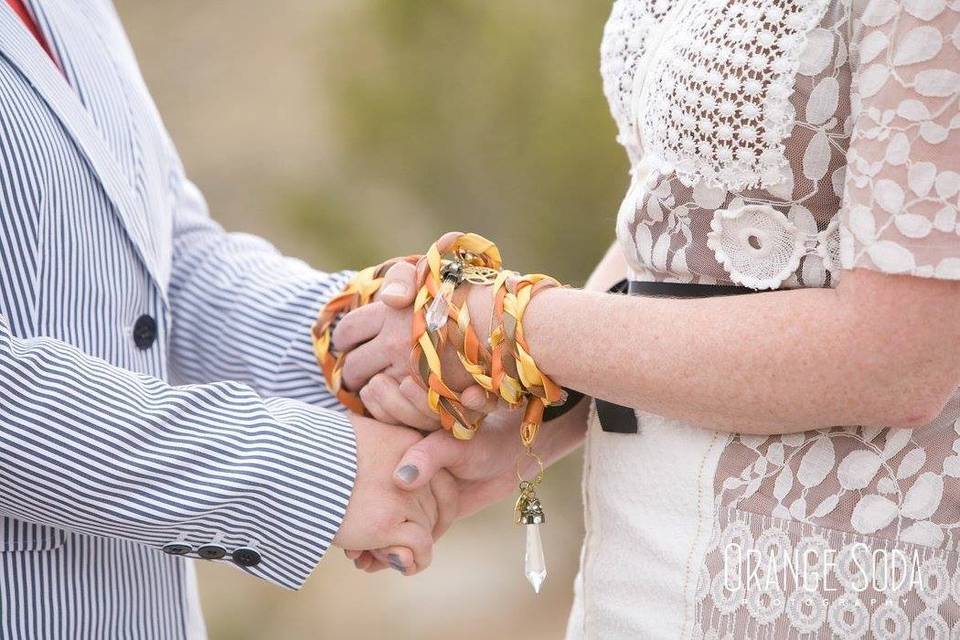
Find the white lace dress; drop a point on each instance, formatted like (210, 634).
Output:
(774, 143)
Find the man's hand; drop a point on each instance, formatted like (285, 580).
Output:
(376, 337)
(377, 340)
(485, 468)
(401, 525)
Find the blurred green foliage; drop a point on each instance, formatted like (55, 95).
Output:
(481, 116)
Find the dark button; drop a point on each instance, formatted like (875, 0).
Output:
(144, 332)
(211, 551)
(177, 548)
(246, 557)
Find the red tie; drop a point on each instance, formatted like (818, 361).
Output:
(21, 10)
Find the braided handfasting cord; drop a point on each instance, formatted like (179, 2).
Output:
(358, 292)
(503, 370)
(509, 371)
(441, 318)
(540, 389)
(439, 272)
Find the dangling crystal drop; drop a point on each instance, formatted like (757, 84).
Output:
(535, 567)
(437, 313)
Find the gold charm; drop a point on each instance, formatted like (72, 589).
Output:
(455, 272)
(528, 507)
(483, 276)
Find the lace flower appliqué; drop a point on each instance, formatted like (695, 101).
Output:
(760, 247)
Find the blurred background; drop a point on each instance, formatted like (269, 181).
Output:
(347, 132)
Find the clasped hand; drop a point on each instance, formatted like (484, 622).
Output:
(436, 478)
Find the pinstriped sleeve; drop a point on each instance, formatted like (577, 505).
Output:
(242, 311)
(92, 448)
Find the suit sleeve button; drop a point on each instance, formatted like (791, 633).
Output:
(177, 548)
(246, 557)
(211, 551)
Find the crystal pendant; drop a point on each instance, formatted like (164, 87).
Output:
(530, 514)
(437, 313)
(534, 566)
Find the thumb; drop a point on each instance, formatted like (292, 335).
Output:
(423, 460)
(399, 290)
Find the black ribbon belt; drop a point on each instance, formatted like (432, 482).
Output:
(615, 418)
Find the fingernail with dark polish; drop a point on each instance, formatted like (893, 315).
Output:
(395, 563)
(408, 473)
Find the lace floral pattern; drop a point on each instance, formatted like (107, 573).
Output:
(717, 104)
(904, 176)
(797, 142)
(839, 115)
(621, 52)
(865, 518)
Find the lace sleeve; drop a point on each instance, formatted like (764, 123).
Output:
(903, 164)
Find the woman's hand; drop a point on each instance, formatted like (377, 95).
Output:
(485, 468)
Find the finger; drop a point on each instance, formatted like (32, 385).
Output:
(427, 510)
(399, 285)
(364, 362)
(358, 326)
(447, 497)
(364, 561)
(367, 561)
(399, 559)
(375, 567)
(419, 540)
(375, 410)
(424, 459)
(384, 392)
(371, 402)
(477, 399)
(417, 397)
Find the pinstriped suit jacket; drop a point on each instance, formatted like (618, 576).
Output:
(103, 461)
